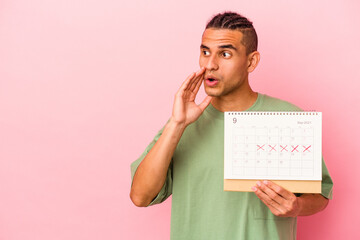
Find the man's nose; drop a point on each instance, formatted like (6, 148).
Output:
(212, 63)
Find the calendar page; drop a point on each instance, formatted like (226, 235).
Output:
(273, 145)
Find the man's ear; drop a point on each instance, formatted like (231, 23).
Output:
(253, 60)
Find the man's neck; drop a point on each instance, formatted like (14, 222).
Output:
(238, 103)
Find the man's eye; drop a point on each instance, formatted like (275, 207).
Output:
(206, 53)
(226, 54)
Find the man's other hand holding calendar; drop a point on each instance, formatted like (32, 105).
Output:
(284, 203)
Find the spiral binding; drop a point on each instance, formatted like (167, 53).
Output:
(293, 113)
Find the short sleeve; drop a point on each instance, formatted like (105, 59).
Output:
(166, 190)
(326, 183)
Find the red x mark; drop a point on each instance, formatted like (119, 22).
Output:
(294, 148)
(307, 148)
(283, 148)
(272, 148)
(260, 147)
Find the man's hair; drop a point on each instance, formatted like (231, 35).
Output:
(235, 21)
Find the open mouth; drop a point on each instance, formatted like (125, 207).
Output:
(211, 82)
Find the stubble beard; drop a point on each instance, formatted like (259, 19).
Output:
(220, 92)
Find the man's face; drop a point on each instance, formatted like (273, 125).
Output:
(224, 57)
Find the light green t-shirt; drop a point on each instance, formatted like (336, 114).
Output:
(201, 209)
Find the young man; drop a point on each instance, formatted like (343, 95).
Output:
(185, 158)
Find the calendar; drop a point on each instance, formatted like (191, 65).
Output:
(273, 145)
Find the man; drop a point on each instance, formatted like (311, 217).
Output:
(185, 158)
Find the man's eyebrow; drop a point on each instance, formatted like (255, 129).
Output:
(228, 46)
(203, 46)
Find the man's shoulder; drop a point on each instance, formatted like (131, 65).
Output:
(270, 103)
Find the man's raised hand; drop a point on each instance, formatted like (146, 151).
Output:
(185, 110)
(151, 174)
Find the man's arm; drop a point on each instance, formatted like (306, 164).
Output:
(312, 203)
(283, 203)
(151, 173)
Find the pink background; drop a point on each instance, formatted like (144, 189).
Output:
(85, 85)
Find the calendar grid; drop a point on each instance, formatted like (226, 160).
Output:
(273, 150)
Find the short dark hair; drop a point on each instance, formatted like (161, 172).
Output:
(235, 21)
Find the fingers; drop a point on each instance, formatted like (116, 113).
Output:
(279, 190)
(205, 103)
(275, 192)
(198, 84)
(191, 81)
(196, 81)
(274, 207)
(268, 196)
(187, 81)
(280, 201)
